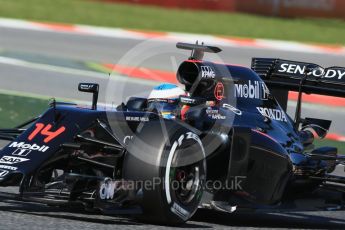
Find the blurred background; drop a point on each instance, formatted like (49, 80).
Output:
(44, 54)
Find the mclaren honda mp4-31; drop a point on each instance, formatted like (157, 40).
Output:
(231, 146)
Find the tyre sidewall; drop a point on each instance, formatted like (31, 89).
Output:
(157, 206)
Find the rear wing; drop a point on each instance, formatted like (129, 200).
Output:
(282, 76)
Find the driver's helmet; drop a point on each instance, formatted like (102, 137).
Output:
(164, 99)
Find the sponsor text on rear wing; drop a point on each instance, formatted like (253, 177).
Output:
(287, 75)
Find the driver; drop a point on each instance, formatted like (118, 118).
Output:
(164, 99)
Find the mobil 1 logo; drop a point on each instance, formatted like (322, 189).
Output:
(252, 90)
(23, 149)
(21, 152)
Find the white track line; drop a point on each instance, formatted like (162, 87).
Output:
(73, 72)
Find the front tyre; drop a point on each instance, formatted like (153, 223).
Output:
(169, 164)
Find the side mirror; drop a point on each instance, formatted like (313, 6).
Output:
(90, 88)
(319, 126)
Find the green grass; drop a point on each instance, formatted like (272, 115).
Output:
(154, 18)
(15, 110)
(339, 145)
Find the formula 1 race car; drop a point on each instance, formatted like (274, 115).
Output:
(231, 146)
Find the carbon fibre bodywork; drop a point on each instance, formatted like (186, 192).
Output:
(68, 153)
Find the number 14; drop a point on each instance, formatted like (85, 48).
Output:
(44, 130)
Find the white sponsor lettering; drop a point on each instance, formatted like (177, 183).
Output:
(317, 72)
(218, 117)
(331, 73)
(8, 167)
(252, 90)
(299, 69)
(207, 72)
(191, 135)
(12, 160)
(33, 147)
(274, 114)
(3, 172)
(292, 69)
(341, 74)
(187, 100)
(86, 86)
(143, 119)
(214, 114)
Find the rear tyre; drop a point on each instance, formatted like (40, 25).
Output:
(168, 163)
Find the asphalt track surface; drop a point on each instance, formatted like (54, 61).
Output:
(55, 82)
(157, 55)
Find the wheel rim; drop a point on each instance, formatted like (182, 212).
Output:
(186, 181)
